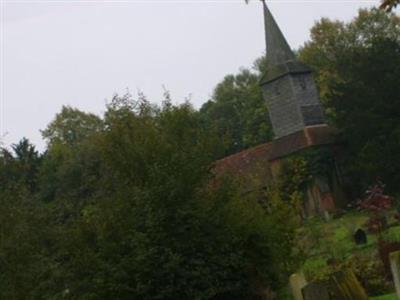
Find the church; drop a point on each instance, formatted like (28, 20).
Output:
(298, 124)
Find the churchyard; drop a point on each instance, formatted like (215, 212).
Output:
(344, 242)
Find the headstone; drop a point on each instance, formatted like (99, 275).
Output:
(297, 282)
(342, 285)
(345, 286)
(327, 216)
(360, 237)
(316, 291)
(385, 248)
(394, 258)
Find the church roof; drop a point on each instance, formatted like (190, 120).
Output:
(280, 58)
(278, 49)
(256, 160)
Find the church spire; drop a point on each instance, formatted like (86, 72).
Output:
(278, 50)
(288, 86)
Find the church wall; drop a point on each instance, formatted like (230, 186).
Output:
(306, 95)
(283, 107)
(304, 89)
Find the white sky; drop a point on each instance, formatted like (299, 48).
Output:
(80, 53)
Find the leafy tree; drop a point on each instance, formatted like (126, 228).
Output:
(157, 229)
(358, 81)
(238, 112)
(389, 5)
(332, 41)
(366, 103)
(25, 256)
(70, 164)
(71, 126)
(128, 209)
(20, 165)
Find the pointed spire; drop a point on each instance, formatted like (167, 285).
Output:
(278, 50)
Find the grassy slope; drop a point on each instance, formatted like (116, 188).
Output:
(385, 297)
(321, 241)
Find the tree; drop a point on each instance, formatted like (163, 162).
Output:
(20, 165)
(156, 228)
(25, 244)
(389, 5)
(70, 126)
(331, 41)
(126, 207)
(238, 112)
(356, 69)
(70, 164)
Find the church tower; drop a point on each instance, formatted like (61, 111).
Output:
(298, 123)
(288, 86)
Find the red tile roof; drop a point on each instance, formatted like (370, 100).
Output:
(309, 136)
(245, 161)
(256, 161)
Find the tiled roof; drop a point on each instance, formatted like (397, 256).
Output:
(309, 136)
(256, 161)
(245, 161)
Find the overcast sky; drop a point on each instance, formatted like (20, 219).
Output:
(80, 53)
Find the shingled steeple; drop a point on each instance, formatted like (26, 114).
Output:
(288, 85)
(278, 50)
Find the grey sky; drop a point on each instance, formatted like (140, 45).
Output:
(79, 53)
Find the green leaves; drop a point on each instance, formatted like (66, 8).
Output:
(238, 112)
(126, 208)
(356, 69)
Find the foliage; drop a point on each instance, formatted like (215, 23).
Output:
(19, 166)
(371, 274)
(333, 41)
(238, 112)
(377, 204)
(24, 244)
(71, 126)
(299, 171)
(356, 69)
(392, 234)
(389, 5)
(386, 297)
(123, 208)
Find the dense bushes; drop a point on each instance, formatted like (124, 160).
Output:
(123, 208)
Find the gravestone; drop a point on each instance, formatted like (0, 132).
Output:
(342, 285)
(394, 258)
(345, 286)
(316, 291)
(385, 248)
(360, 237)
(297, 282)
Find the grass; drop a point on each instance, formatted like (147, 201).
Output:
(323, 241)
(385, 297)
(334, 238)
(328, 246)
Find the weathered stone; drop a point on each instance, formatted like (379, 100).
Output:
(360, 237)
(395, 267)
(316, 291)
(297, 283)
(340, 286)
(345, 286)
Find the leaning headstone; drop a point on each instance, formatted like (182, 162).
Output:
(345, 286)
(316, 291)
(385, 248)
(394, 258)
(327, 216)
(297, 282)
(360, 237)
